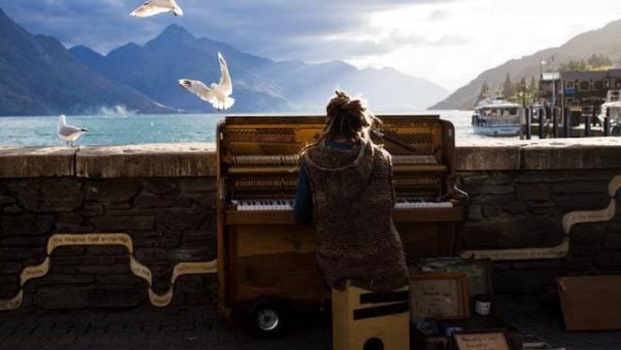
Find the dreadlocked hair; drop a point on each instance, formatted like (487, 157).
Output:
(347, 117)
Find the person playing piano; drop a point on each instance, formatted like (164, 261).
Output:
(346, 187)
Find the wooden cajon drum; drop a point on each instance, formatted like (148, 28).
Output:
(366, 320)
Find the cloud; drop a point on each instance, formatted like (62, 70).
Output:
(439, 15)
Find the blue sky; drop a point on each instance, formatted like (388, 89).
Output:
(448, 42)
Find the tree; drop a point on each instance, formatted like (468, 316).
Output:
(573, 66)
(533, 89)
(598, 61)
(484, 93)
(507, 87)
(523, 90)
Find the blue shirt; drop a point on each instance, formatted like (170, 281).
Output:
(303, 209)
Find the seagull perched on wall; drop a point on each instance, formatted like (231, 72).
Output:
(69, 133)
(216, 94)
(154, 7)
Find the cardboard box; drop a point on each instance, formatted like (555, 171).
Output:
(590, 302)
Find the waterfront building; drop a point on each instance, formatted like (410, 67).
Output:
(581, 92)
(550, 89)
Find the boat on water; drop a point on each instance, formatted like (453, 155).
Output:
(612, 109)
(497, 117)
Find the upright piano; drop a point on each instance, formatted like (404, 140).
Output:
(263, 253)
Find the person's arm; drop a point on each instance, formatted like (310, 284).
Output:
(303, 209)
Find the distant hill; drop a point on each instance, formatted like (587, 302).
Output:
(605, 41)
(38, 76)
(260, 84)
(386, 89)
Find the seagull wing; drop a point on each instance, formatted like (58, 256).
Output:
(226, 86)
(201, 90)
(61, 123)
(228, 103)
(68, 130)
(176, 8)
(148, 9)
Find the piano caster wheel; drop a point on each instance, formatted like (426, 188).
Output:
(267, 319)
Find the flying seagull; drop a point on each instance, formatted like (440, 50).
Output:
(216, 94)
(69, 133)
(154, 7)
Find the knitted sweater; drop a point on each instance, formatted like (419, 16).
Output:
(353, 197)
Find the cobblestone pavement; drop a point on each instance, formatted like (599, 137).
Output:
(202, 328)
(153, 329)
(543, 317)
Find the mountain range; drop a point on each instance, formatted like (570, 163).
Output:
(605, 41)
(39, 76)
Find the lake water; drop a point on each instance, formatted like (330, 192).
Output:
(137, 129)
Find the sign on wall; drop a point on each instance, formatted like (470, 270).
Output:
(100, 239)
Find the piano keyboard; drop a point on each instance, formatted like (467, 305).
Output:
(419, 203)
(293, 159)
(254, 159)
(287, 204)
(264, 205)
(414, 159)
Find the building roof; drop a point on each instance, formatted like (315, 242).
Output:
(615, 72)
(551, 76)
(585, 75)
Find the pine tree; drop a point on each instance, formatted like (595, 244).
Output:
(484, 93)
(507, 87)
(523, 89)
(574, 66)
(533, 90)
(598, 61)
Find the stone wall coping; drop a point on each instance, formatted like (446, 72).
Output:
(199, 159)
(546, 154)
(147, 160)
(555, 143)
(20, 162)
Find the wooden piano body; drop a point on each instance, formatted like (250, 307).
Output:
(263, 253)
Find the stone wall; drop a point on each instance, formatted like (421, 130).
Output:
(521, 191)
(163, 196)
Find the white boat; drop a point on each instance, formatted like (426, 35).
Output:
(612, 108)
(497, 117)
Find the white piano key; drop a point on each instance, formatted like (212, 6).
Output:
(282, 204)
(265, 205)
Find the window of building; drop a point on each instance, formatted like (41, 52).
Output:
(598, 85)
(570, 85)
(584, 86)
